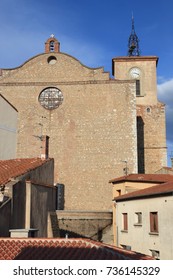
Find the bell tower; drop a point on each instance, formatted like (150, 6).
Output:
(133, 43)
(52, 45)
(150, 113)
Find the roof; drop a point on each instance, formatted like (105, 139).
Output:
(63, 249)
(158, 190)
(157, 178)
(13, 168)
(164, 169)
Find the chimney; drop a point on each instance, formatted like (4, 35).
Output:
(23, 233)
(44, 147)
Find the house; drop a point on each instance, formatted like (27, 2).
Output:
(133, 182)
(27, 194)
(165, 170)
(144, 221)
(63, 249)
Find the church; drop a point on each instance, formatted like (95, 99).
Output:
(98, 127)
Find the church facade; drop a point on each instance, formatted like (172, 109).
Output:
(99, 127)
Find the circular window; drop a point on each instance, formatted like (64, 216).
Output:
(51, 98)
(51, 60)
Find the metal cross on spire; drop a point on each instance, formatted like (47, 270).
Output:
(133, 43)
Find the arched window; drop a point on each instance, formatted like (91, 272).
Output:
(52, 46)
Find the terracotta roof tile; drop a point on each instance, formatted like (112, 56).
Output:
(16, 167)
(158, 178)
(157, 190)
(62, 249)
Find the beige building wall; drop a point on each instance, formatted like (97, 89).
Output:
(91, 132)
(148, 76)
(139, 237)
(8, 129)
(124, 188)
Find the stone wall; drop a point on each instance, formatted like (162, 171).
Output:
(91, 133)
(152, 151)
(151, 138)
(94, 225)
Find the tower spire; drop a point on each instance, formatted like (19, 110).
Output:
(133, 43)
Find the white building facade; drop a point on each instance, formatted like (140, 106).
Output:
(144, 221)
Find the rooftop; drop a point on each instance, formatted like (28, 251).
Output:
(158, 190)
(16, 167)
(63, 249)
(157, 178)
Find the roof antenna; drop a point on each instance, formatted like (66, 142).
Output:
(133, 43)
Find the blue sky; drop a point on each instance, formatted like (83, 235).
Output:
(93, 31)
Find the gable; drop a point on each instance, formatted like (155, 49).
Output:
(52, 67)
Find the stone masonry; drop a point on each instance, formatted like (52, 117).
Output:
(91, 133)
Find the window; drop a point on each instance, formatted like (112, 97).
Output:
(51, 98)
(138, 87)
(52, 46)
(155, 254)
(125, 221)
(51, 59)
(126, 247)
(119, 192)
(138, 218)
(154, 222)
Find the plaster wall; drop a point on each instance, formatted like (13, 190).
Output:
(139, 237)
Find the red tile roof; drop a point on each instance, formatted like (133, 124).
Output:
(16, 167)
(165, 167)
(63, 249)
(158, 178)
(158, 190)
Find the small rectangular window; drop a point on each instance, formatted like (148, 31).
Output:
(126, 247)
(138, 87)
(125, 221)
(154, 222)
(138, 218)
(155, 254)
(119, 192)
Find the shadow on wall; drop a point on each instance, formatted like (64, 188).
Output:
(60, 195)
(85, 228)
(5, 215)
(140, 145)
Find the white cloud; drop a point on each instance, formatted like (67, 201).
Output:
(165, 94)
